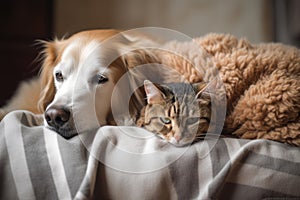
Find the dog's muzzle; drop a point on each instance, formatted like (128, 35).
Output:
(59, 119)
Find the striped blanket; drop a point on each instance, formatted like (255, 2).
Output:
(130, 163)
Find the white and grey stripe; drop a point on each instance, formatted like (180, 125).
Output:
(56, 165)
(38, 164)
(17, 157)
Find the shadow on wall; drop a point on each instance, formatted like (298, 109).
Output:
(251, 19)
(286, 20)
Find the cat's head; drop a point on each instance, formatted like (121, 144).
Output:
(179, 113)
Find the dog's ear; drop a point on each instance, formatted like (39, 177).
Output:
(50, 56)
(138, 57)
(137, 49)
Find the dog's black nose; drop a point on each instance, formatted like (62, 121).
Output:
(57, 116)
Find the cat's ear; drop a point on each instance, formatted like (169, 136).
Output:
(201, 88)
(154, 94)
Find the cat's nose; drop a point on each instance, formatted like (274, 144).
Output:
(177, 138)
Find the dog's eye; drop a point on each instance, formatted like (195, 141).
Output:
(101, 79)
(58, 76)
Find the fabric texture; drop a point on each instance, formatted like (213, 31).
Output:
(261, 83)
(130, 163)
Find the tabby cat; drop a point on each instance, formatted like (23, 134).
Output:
(177, 112)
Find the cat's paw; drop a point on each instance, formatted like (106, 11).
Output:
(140, 122)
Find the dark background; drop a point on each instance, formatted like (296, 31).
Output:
(23, 22)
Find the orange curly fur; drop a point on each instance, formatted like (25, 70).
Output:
(262, 85)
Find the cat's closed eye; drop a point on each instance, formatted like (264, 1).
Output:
(165, 120)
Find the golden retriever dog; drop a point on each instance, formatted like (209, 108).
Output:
(79, 74)
(77, 60)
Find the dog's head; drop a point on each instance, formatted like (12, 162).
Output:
(79, 75)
